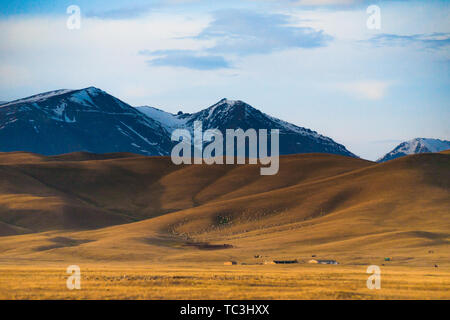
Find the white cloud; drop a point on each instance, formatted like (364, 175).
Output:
(325, 2)
(370, 89)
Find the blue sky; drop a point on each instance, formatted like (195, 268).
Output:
(313, 63)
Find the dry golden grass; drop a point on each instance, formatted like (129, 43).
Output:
(102, 190)
(223, 282)
(148, 219)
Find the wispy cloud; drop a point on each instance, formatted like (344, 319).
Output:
(187, 59)
(121, 13)
(432, 41)
(318, 4)
(236, 33)
(243, 32)
(325, 2)
(370, 89)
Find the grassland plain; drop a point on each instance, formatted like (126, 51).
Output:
(220, 282)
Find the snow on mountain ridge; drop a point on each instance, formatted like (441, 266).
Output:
(172, 121)
(88, 119)
(435, 145)
(233, 114)
(39, 97)
(92, 120)
(78, 95)
(414, 146)
(168, 120)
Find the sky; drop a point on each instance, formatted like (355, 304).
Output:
(320, 64)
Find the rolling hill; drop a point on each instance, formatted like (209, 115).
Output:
(124, 207)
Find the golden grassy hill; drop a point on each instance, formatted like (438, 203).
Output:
(84, 191)
(125, 207)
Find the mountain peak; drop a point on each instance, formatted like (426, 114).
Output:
(92, 90)
(88, 119)
(226, 103)
(233, 114)
(434, 145)
(414, 146)
(225, 106)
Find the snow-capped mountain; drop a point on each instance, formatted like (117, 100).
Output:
(417, 145)
(89, 119)
(230, 114)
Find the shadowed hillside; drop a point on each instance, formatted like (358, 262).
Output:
(83, 190)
